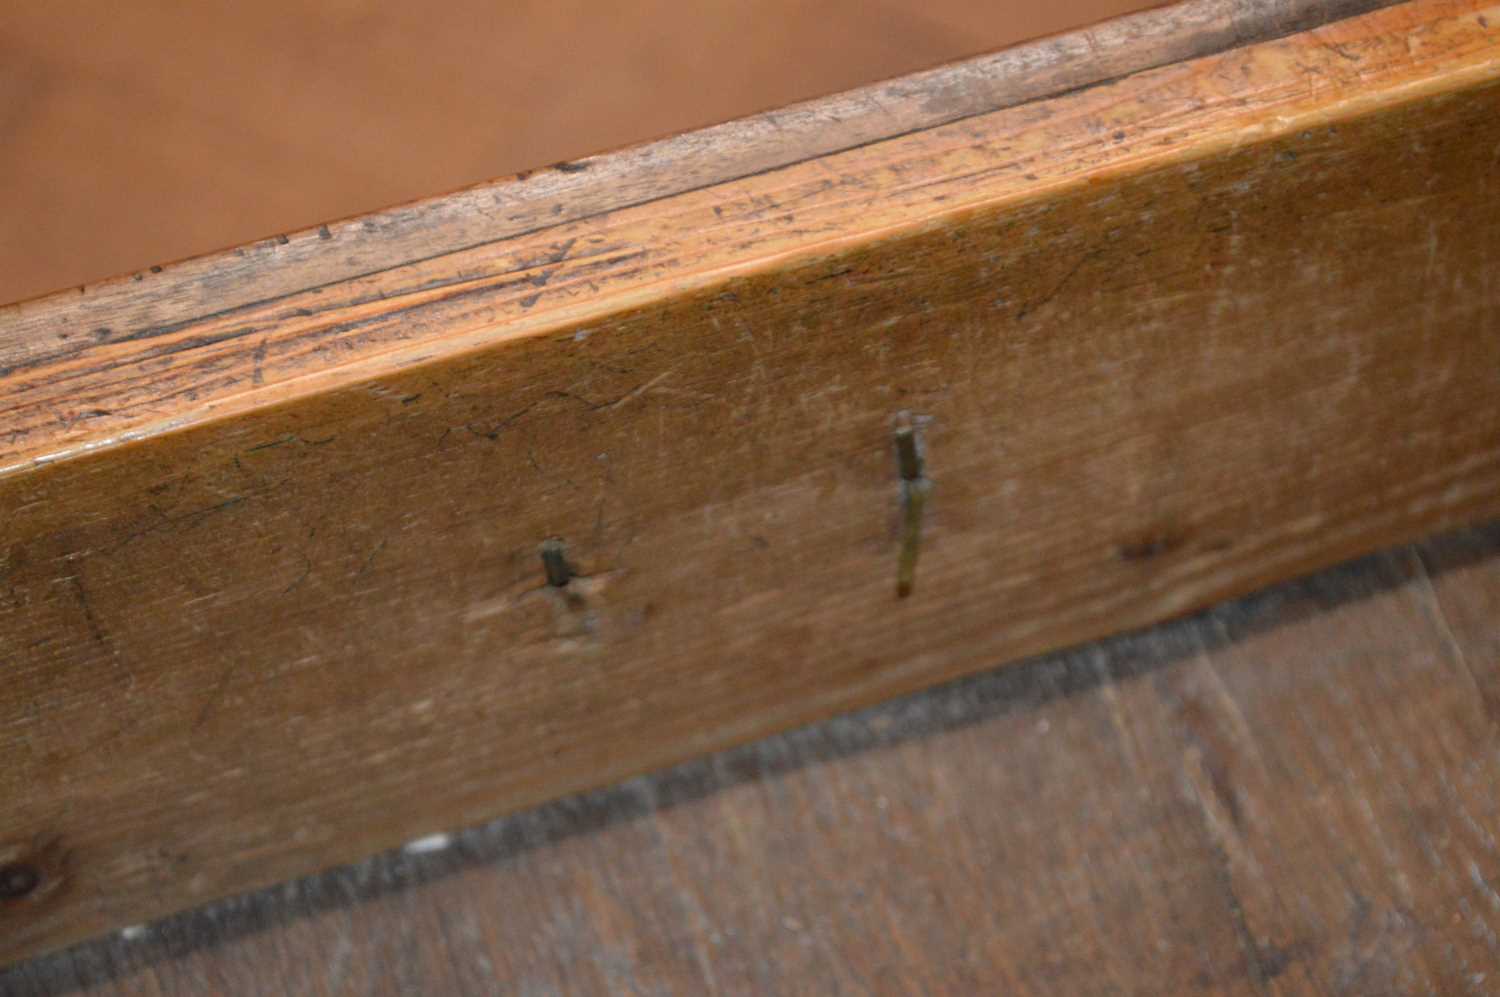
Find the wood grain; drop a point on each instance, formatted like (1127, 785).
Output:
(184, 129)
(1287, 794)
(271, 575)
(141, 304)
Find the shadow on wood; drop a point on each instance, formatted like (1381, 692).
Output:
(1029, 687)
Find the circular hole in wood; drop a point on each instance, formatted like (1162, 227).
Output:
(17, 880)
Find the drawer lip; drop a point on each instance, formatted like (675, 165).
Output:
(71, 327)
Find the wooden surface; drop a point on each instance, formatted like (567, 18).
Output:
(185, 128)
(1151, 331)
(147, 303)
(1289, 794)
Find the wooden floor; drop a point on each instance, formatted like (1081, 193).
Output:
(1292, 793)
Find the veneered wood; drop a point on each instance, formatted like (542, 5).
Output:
(1153, 332)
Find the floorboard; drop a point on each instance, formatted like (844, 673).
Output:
(1289, 793)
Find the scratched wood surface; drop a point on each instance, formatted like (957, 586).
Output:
(279, 266)
(1293, 793)
(185, 128)
(299, 618)
(1162, 345)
